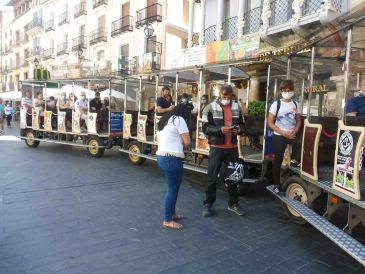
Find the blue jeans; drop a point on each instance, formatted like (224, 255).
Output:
(172, 168)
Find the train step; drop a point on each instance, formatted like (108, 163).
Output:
(335, 234)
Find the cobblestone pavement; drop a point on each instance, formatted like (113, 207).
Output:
(64, 212)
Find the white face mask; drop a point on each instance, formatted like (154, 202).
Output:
(287, 95)
(184, 100)
(203, 101)
(83, 97)
(225, 102)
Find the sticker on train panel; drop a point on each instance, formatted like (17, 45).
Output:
(346, 143)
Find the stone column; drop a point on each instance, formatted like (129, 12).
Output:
(202, 22)
(254, 94)
(241, 17)
(220, 18)
(191, 23)
(340, 89)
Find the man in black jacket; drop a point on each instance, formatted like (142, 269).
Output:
(222, 122)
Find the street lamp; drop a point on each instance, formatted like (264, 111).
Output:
(36, 62)
(79, 52)
(148, 30)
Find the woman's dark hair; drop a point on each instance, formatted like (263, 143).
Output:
(180, 110)
(287, 85)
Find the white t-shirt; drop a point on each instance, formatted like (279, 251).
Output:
(286, 116)
(169, 139)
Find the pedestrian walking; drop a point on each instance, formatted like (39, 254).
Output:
(222, 122)
(9, 114)
(173, 137)
(285, 120)
(2, 114)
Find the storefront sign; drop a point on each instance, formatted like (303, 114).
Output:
(346, 169)
(217, 52)
(265, 56)
(195, 56)
(241, 48)
(116, 122)
(316, 89)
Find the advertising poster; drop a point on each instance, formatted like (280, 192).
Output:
(127, 123)
(91, 123)
(35, 118)
(141, 127)
(201, 140)
(75, 122)
(116, 122)
(23, 118)
(345, 164)
(157, 119)
(218, 52)
(195, 56)
(48, 120)
(241, 48)
(61, 121)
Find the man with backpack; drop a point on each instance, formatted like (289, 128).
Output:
(285, 121)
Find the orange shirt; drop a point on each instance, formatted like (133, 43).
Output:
(227, 123)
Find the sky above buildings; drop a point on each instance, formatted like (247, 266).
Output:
(3, 2)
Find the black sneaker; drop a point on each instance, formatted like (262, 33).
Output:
(237, 209)
(207, 212)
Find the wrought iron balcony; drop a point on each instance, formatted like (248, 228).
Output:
(98, 3)
(152, 13)
(313, 6)
(281, 12)
(48, 54)
(210, 34)
(80, 9)
(62, 49)
(36, 52)
(63, 19)
(34, 25)
(151, 61)
(49, 25)
(122, 25)
(252, 20)
(229, 28)
(79, 43)
(98, 35)
(123, 65)
(195, 39)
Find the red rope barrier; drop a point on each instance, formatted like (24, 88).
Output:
(325, 133)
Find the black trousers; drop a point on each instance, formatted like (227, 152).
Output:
(279, 143)
(8, 119)
(218, 156)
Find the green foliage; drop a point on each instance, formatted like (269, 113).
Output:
(256, 109)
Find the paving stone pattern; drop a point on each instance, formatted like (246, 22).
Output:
(62, 211)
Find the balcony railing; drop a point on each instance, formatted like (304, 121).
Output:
(151, 59)
(23, 38)
(281, 12)
(34, 24)
(148, 15)
(98, 3)
(313, 6)
(229, 28)
(48, 54)
(122, 25)
(80, 9)
(210, 34)
(252, 20)
(63, 18)
(99, 35)
(79, 43)
(62, 49)
(49, 25)
(195, 39)
(36, 52)
(123, 65)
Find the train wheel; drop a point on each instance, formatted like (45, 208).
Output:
(296, 189)
(30, 142)
(135, 147)
(94, 147)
